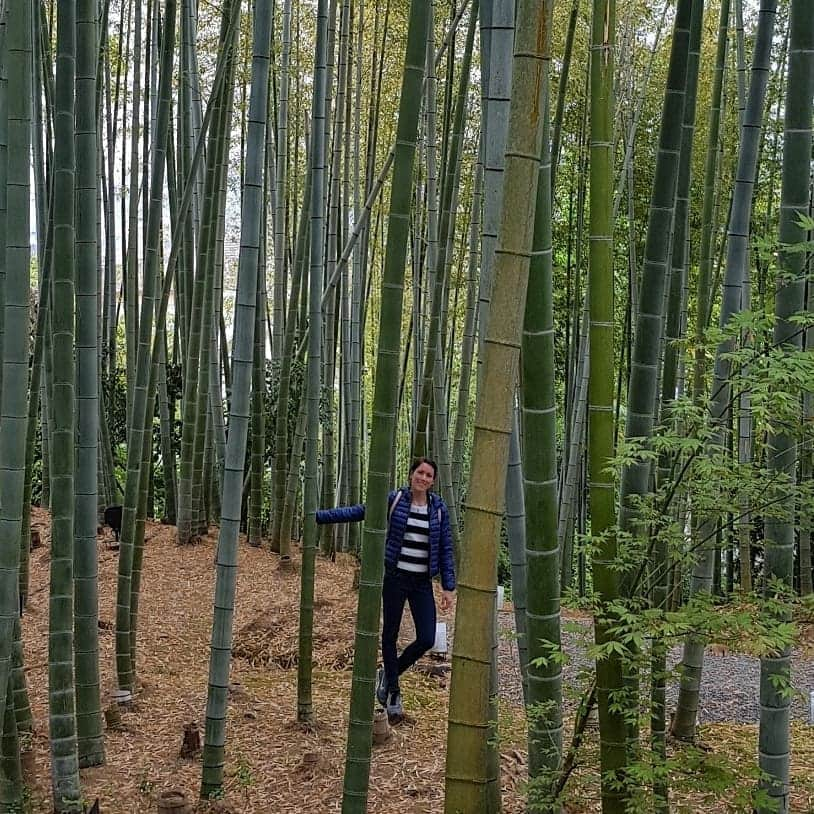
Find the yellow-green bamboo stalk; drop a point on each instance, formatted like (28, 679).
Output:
(467, 780)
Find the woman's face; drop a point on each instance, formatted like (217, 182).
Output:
(422, 478)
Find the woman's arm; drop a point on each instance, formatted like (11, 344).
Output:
(446, 553)
(341, 514)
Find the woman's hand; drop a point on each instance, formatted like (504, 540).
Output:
(446, 600)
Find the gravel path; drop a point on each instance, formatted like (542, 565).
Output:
(729, 689)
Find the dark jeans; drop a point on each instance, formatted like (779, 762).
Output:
(417, 590)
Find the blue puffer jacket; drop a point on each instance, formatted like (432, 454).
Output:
(442, 560)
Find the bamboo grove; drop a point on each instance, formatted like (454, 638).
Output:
(254, 258)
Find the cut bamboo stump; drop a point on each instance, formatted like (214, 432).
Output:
(113, 718)
(28, 763)
(122, 698)
(173, 801)
(192, 740)
(381, 727)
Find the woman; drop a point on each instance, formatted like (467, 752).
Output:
(418, 546)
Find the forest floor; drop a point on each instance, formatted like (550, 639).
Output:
(272, 763)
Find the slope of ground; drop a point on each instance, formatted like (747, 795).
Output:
(273, 765)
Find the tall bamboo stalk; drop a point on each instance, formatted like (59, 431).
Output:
(380, 471)
(61, 693)
(249, 271)
(443, 261)
(737, 247)
(497, 36)
(460, 431)
(131, 285)
(139, 442)
(775, 670)
(15, 111)
(469, 782)
(317, 255)
(540, 483)
(612, 749)
(88, 694)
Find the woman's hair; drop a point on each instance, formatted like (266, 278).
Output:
(418, 461)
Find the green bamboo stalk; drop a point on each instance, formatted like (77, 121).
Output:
(219, 369)
(679, 259)
(292, 482)
(150, 348)
(258, 435)
(642, 389)
(516, 532)
(34, 403)
(540, 485)
(609, 683)
(312, 386)
(679, 249)
(711, 171)
(562, 87)
(22, 704)
(61, 698)
(567, 501)
(775, 670)
(11, 780)
(280, 540)
(380, 469)
(737, 248)
(329, 443)
(355, 373)
(249, 271)
(425, 263)
(86, 601)
(807, 469)
(440, 272)
(626, 169)
(460, 432)
(3, 178)
(740, 58)
(359, 228)
(281, 186)
(209, 267)
(166, 411)
(131, 287)
(139, 441)
(469, 785)
(497, 36)
(15, 110)
(191, 450)
(109, 297)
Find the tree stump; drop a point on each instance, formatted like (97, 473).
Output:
(173, 801)
(381, 728)
(122, 698)
(192, 740)
(28, 763)
(113, 718)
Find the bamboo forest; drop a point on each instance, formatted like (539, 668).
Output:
(305, 303)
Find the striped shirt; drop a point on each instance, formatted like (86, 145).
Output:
(414, 556)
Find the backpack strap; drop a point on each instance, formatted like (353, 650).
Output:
(396, 499)
(439, 511)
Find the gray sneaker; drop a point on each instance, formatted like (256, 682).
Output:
(381, 688)
(394, 707)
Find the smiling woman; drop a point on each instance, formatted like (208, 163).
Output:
(418, 547)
